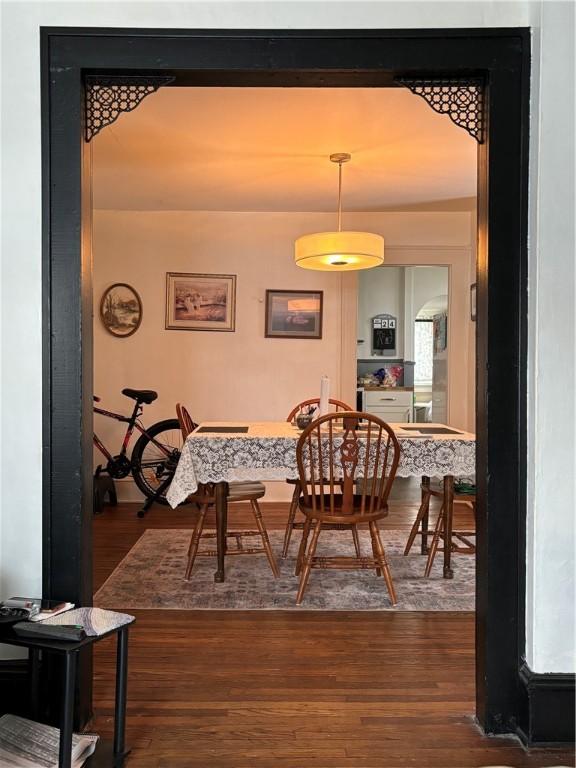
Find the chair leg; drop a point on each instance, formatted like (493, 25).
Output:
(195, 540)
(303, 544)
(309, 556)
(265, 540)
(290, 523)
(375, 553)
(383, 563)
(356, 541)
(422, 512)
(435, 540)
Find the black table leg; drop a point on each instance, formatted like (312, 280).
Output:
(221, 493)
(448, 512)
(121, 682)
(34, 661)
(66, 717)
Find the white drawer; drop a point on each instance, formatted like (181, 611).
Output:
(387, 397)
(392, 414)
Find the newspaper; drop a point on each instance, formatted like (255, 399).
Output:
(27, 744)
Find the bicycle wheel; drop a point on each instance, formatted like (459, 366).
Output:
(155, 457)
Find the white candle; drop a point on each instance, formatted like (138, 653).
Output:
(324, 395)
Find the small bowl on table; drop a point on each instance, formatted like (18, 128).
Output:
(303, 420)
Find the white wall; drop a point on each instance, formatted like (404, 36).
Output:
(428, 283)
(380, 291)
(449, 245)
(240, 375)
(472, 335)
(219, 376)
(551, 438)
(550, 620)
(402, 292)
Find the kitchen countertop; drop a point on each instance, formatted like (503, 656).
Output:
(376, 388)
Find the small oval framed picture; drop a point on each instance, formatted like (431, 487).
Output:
(121, 310)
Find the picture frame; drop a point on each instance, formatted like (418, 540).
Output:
(473, 301)
(121, 310)
(440, 331)
(293, 314)
(200, 302)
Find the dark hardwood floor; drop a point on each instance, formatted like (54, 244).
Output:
(292, 689)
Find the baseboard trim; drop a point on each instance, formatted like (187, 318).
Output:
(14, 687)
(547, 716)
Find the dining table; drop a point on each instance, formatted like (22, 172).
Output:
(221, 452)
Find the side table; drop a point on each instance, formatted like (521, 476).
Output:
(70, 651)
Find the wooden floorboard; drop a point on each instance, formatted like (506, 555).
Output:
(257, 689)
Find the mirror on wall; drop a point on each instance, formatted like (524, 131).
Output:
(403, 342)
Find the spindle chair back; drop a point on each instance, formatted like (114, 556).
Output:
(303, 407)
(187, 424)
(347, 463)
(292, 524)
(205, 497)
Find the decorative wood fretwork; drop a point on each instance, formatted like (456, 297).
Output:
(462, 99)
(107, 97)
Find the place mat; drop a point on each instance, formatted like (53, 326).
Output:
(221, 429)
(431, 431)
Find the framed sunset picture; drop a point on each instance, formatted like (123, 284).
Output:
(200, 302)
(294, 314)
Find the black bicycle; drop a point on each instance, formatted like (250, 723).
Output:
(154, 456)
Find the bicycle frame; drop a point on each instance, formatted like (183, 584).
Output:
(133, 423)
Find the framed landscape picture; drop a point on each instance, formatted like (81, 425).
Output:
(121, 310)
(294, 314)
(440, 329)
(199, 302)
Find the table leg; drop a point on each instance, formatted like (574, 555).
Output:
(425, 517)
(221, 493)
(34, 661)
(121, 681)
(448, 513)
(67, 714)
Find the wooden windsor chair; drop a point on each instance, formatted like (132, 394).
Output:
(237, 492)
(346, 473)
(463, 545)
(292, 525)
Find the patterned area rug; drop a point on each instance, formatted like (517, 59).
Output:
(152, 576)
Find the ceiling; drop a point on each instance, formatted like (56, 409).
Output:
(266, 149)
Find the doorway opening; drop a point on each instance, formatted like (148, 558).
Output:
(183, 209)
(364, 60)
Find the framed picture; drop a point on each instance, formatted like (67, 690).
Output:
(440, 326)
(121, 310)
(294, 314)
(473, 301)
(198, 302)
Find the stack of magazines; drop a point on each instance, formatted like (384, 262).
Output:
(26, 744)
(36, 608)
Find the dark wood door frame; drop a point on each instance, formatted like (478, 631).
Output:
(303, 58)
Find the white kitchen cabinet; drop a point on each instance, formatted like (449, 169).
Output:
(439, 388)
(392, 406)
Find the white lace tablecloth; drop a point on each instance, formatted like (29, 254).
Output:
(267, 451)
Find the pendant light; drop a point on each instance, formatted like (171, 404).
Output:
(339, 251)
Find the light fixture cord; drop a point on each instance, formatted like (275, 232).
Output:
(339, 195)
